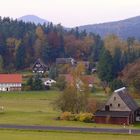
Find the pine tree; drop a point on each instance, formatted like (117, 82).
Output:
(37, 83)
(20, 57)
(117, 67)
(105, 66)
(1, 64)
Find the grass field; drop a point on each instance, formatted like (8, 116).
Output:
(34, 135)
(36, 108)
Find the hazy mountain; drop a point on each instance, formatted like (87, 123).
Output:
(33, 19)
(123, 28)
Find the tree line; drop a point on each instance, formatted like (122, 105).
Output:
(22, 43)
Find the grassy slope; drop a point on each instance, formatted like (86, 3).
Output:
(30, 135)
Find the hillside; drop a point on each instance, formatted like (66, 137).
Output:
(33, 19)
(123, 28)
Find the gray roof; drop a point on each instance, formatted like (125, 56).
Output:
(112, 113)
(39, 61)
(128, 100)
(64, 60)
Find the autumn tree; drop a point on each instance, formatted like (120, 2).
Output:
(131, 75)
(72, 100)
(112, 42)
(75, 96)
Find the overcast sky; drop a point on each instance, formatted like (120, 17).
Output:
(72, 12)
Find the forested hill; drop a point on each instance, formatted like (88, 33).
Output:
(21, 44)
(124, 28)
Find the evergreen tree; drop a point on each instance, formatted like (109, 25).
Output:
(1, 64)
(105, 66)
(96, 48)
(53, 72)
(47, 54)
(116, 84)
(20, 57)
(117, 66)
(37, 83)
(30, 83)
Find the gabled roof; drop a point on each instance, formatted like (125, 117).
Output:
(65, 60)
(128, 100)
(113, 113)
(40, 62)
(10, 78)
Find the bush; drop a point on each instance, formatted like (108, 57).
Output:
(67, 116)
(85, 117)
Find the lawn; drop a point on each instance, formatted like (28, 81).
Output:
(35, 135)
(36, 108)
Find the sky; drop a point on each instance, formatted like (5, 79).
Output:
(71, 13)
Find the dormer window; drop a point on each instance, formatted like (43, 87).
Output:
(110, 105)
(119, 105)
(114, 98)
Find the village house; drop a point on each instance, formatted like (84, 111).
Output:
(10, 82)
(70, 61)
(48, 82)
(79, 82)
(119, 109)
(39, 67)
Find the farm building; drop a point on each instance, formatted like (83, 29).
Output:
(10, 82)
(119, 109)
(70, 61)
(48, 81)
(39, 67)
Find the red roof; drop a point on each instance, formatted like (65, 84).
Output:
(10, 78)
(69, 78)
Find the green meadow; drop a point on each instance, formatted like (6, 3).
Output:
(36, 108)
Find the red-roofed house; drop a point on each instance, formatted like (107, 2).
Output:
(87, 78)
(10, 82)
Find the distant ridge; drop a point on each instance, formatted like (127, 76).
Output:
(33, 19)
(124, 28)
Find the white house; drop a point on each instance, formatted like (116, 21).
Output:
(48, 82)
(10, 82)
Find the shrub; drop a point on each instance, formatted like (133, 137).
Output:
(67, 116)
(85, 117)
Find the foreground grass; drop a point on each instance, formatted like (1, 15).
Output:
(35, 135)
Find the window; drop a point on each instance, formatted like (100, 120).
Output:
(110, 105)
(119, 105)
(114, 98)
(107, 108)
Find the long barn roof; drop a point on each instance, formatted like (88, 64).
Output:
(10, 78)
